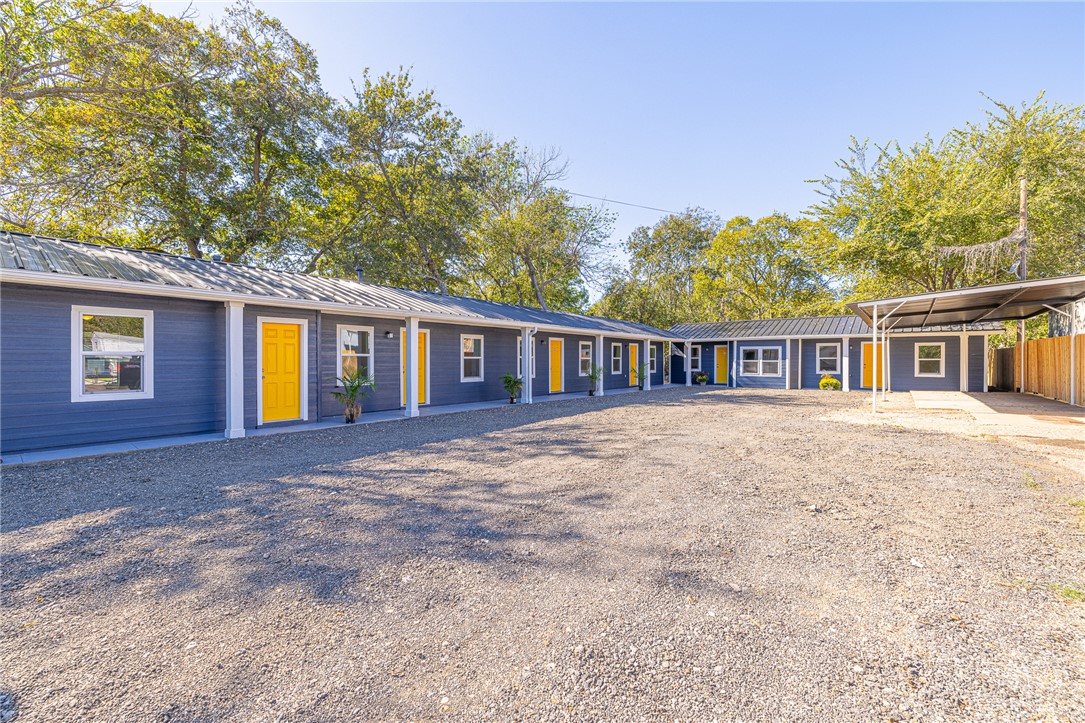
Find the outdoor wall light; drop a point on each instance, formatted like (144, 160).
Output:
(389, 335)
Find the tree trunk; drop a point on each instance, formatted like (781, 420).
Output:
(533, 276)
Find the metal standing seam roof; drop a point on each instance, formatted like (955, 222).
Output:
(811, 326)
(21, 252)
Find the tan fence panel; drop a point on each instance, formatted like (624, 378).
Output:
(1047, 368)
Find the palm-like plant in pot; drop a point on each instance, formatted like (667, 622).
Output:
(594, 375)
(640, 370)
(354, 386)
(513, 385)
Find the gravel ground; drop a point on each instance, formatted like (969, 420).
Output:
(681, 555)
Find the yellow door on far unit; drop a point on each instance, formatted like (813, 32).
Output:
(721, 365)
(281, 390)
(633, 356)
(869, 364)
(557, 366)
(423, 343)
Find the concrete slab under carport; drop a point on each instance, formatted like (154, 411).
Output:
(1012, 414)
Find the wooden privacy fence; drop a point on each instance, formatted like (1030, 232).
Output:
(1047, 368)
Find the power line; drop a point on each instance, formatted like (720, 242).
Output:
(623, 203)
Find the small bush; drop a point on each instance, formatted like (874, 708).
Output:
(830, 383)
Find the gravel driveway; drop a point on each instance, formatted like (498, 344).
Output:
(679, 554)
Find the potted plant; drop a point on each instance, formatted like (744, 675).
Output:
(513, 385)
(594, 375)
(700, 378)
(640, 370)
(354, 386)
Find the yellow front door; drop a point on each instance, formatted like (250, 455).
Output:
(633, 349)
(281, 371)
(423, 343)
(721, 365)
(869, 363)
(557, 365)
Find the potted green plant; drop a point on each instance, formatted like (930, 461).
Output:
(513, 385)
(700, 378)
(640, 370)
(354, 386)
(594, 375)
(830, 383)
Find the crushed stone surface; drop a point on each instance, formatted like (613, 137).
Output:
(679, 554)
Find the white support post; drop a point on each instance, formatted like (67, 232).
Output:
(986, 362)
(874, 364)
(647, 356)
(787, 360)
(799, 386)
(845, 362)
(598, 362)
(526, 393)
(689, 364)
(1073, 353)
(411, 367)
(964, 361)
(235, 369)
(732, 354)
(885, 357)
(1021, 335)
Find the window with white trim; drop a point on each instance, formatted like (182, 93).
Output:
(695, 358)
(471, 357)
(520, 356)
(828, 358)
(585, 358)
(615, 358)
(930, 360)
(112, 354)
(355, 353)
(760, 361)
(652, 358)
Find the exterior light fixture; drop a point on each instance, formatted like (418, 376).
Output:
(389, 335)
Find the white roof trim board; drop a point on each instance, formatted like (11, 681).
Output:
(71, 264)
(814, 327)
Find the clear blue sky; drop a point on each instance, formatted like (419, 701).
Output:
(726, 106)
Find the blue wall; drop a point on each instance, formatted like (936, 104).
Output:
(35, 386)
(757, 381)
(976, 380)
(811, 377)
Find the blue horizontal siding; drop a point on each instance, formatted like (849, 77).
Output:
(386, 363)
(811, 377)
(976, 354)
(761, 382)
(35, 383)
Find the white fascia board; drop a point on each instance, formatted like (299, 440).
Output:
(120, 286)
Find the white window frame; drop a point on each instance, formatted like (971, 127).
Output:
(520, 356)
(760, 361)
(618, 359)
(817, 358)
(339, 329)
(79, 394)
(481, 358)
(652, 354)
(941, 359)
(695, 357)
(579, 358)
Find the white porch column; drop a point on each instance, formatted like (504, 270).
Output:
(598, 362)
(410, 366)
(526, 341)
(647, 346)
(732, 354)
(874, 363)
(689, 364)
(799, 385)
(787, 361)
(986, 369)
(235, 369)
(964, 362)
(1073, 352)
(845, 359)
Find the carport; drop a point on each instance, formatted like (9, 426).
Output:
(1016, 301)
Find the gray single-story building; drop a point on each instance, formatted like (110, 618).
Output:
(105, 344)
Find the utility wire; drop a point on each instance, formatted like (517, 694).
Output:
(623, 203)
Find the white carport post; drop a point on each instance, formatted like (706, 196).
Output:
(1021, 336)
(874, 364)
(647, 357)
(235, 369)
(845, 359)
(689, 364)
(885, 356)
(963, 361)
(1073, 353)
(598, 362)
(525, 364)
(410, 377)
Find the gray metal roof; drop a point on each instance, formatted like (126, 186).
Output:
(810, 326)
(21, 252)
(996, 302)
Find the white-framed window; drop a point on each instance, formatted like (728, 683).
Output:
(828, 358)
(585, 358)
(355, 350)
(615, 358)
(695, 358)
(520, 356)
(760, 361)
(471, 357)
(930, 359)
(652, 358)
(112, 354)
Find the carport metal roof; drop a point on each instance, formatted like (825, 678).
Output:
(997, 302)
